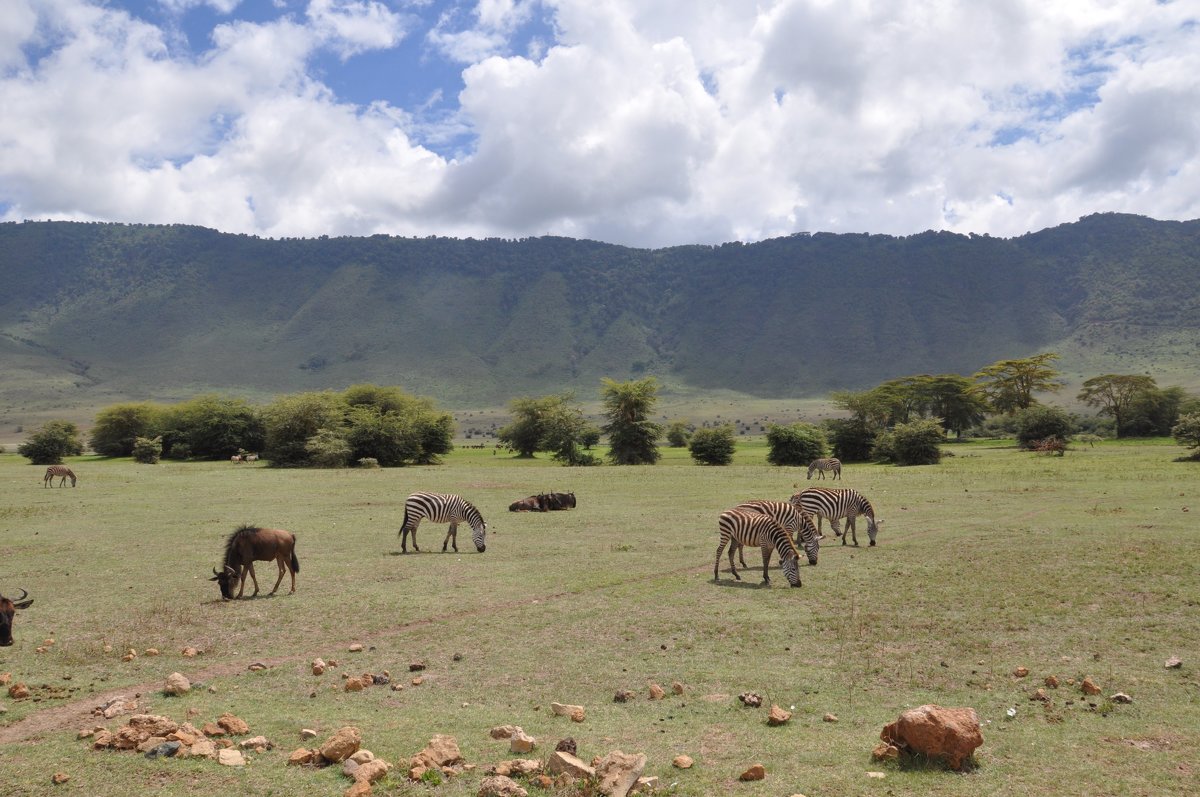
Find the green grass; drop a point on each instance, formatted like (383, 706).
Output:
(1081, 566)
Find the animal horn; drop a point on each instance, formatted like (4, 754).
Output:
(24, 595)
(215, 573)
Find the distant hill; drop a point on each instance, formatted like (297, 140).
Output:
(95, 313)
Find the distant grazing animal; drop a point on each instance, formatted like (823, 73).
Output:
(831, 464)
(834, 503)
(755, 528)
(441, 508)
(250, 544)
(7, 609)
(58, 470)
(252, 457)
(236, 458)
(795, 522)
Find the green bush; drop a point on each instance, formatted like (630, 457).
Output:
(53, 441)
(679, 433)
(117, 428)
(851, 439)
(368, 462)
(147, 451)
(713, 446)
(797, 444)
(327, 449)
(1187, 433)
(915, 443)
(1041, 422)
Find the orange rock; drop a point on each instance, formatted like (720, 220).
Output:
(1089, 686)
(1021, 672)
(885, 752)
(1051, 682)
(756, 772)
(60, 777)
(778, 716)
(950, 734)
(656, 692)
(682, 762)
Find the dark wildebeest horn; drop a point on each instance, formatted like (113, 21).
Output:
(24, 595)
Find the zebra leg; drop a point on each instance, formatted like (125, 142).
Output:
(766, 554)
(741, 549)
(717, 564)
(451, 535)
(850, 531)
(837, 532)
(732, 568)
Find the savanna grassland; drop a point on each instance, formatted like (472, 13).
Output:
(1088, 565)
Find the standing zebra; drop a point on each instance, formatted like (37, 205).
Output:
(798, 524)
(755, 528)
(826, 464)
(58, 470)
(441, 508)
(834, 503)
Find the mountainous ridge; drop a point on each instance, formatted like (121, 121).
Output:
(96, 312)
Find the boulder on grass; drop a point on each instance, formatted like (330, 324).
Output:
(947, 734)
(501, 786)
(617, 773)
(343, 744)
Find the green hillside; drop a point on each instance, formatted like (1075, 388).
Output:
(92, 313)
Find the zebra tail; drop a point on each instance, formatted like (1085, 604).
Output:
(404, 524)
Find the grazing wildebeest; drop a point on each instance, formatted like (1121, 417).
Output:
(250, 544)
(7, 609)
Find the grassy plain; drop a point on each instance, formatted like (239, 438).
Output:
(1087, 565)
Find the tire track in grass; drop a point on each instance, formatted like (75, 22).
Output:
(78, 713)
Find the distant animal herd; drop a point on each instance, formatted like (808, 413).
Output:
(775, 527)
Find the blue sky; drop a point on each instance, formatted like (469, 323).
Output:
(640, 123)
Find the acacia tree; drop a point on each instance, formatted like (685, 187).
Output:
(536, 420)
(632, 436)
(1114, 394)
(1009, 385)
(954, 400)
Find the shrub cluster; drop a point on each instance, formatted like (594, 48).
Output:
(915, 443)
(796, 445)
(713, 445)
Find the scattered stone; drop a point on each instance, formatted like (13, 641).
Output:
(457, 657)
(343, 744)
(300, 757)
(1021, 672)
(318, 667)
(1051, 682)
(1089, 686)
(177, 685)
(682, 762)
(417, 681)
(212, 729)
(885, 752)
(203, 748)
(657, 692)
(190, 653)
(257, 666)
(442, 751)
(349, 767)
(383, 680)
(129, 657)
(517, 766)
(544, 782)
(108, 648)
(397, 687)
(1121, 697)
(356, 647)
(234, 726)
(561, 763)
(416, 666)
(371, 771)
(118, 705)
(567, 745)
(164, 750)
(565, 710)
(877, 775)
(1041, 695)
(950, 734)
(362, 756)
(505, 731)
(353, 685)
(623, 696)
(829, 718)
(256, 743)
(151, 651)
(18, 691)
(750, 699)
(756, 772)
(500, 786)
(308, 733)
(1173, 663)
(617, 773)
(677, 687)
(231, 758)
(521, 742)
(59, 778)
(578, 715)
(645, 784)
(778, 716)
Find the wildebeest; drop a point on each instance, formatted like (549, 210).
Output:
(250, 544)
(530, 504)
(7, 609)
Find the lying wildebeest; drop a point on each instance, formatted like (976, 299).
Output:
(250, 544)
(558, 500)
(7, 609)
(531, 504)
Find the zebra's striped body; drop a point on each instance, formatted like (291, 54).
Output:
(835, 503)
(441, 508)
(755, 528)
(55, 471)
(831, 464)
(796, 523)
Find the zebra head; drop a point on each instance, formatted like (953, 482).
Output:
(873, 528)
(479, 534)
(812, 547)
(791, 570)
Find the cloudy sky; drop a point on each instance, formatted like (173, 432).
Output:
(641, 122)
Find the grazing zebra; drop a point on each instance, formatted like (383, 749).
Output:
(834, 503)
(796, 523)
(58, 470)
(755, 528)
(441, 508)
(826, 464)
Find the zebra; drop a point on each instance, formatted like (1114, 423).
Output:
(441, 508)
(826, 464)
(58, 470)
(834, 503)
(795, 522)
(756, 528)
